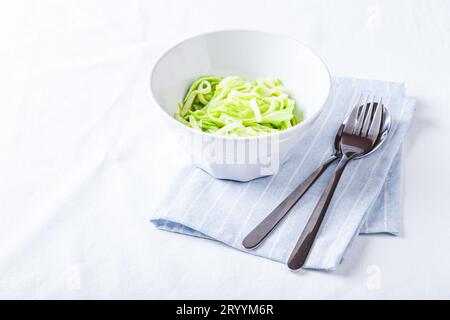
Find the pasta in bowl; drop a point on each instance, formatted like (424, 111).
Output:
(260, 96)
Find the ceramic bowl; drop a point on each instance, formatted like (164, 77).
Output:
(252, 55)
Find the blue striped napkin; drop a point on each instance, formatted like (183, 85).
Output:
(367, 199)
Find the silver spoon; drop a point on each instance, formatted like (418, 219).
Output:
(263, 229)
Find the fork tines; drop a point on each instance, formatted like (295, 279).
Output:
(366, 117)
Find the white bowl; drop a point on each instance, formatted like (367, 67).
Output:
(252, 55)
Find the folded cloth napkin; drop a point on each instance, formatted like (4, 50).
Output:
(367, 199)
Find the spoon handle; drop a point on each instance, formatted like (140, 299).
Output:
(260, 232)
(305, 242)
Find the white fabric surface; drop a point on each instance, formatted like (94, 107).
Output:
(83, 160)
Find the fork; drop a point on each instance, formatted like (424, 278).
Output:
(358, 139)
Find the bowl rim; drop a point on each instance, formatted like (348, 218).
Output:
(280, 134)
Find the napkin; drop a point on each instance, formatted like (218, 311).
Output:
(367, 199)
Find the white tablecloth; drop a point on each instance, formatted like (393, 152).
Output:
(84, 157)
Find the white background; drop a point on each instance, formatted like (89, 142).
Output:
(84, 157)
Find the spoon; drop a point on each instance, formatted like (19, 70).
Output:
(263, 229)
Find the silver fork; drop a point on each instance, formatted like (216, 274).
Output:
(358, 139)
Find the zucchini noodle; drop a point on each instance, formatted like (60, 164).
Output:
(233, 106)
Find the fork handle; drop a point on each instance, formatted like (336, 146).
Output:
(262, 230)
(305, 242)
